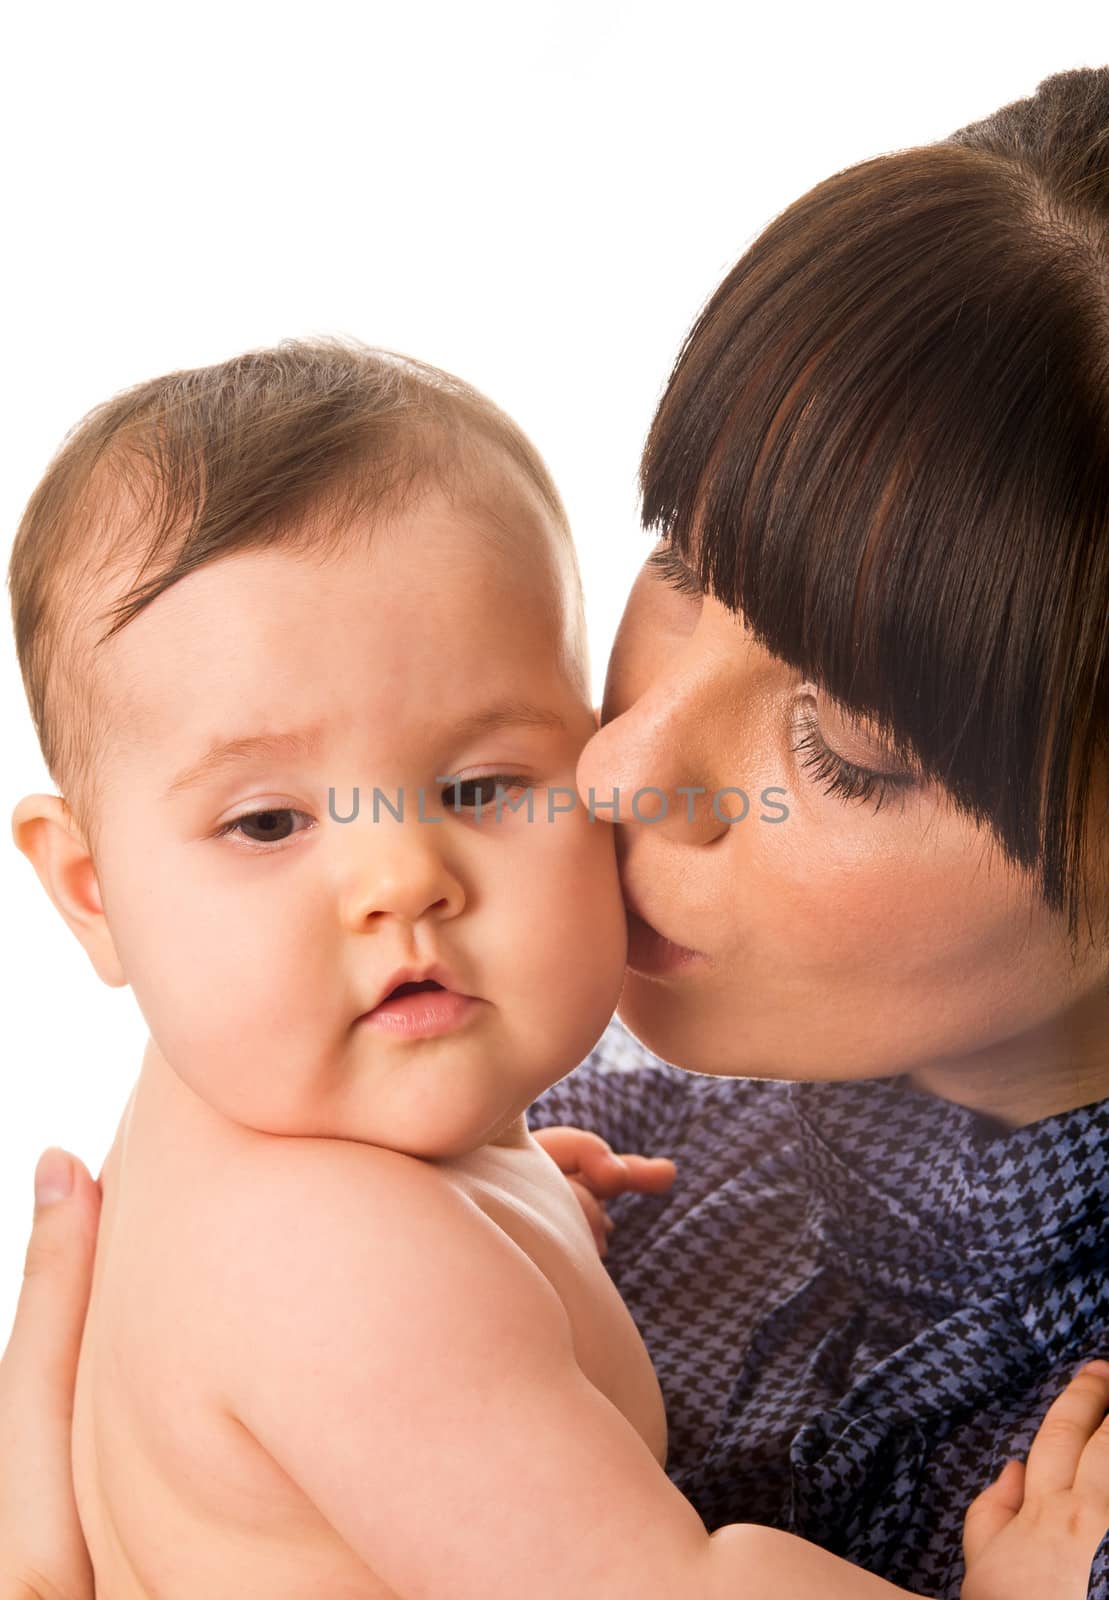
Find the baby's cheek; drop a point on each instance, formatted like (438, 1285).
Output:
(577, 932)
(572, 862)
(230, 1022)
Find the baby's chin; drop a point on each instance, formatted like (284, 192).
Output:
(434, 1098)
(431, 1111)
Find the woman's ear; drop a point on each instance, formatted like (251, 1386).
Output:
(44, 830)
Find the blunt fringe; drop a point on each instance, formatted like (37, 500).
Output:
(278, 447)
(885, 443)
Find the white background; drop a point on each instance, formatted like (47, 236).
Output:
(536, 196)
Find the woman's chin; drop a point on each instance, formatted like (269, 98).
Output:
(671, 1024)
(700, 1030)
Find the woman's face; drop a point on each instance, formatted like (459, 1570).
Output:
(857, 935)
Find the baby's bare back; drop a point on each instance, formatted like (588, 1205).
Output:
(176, 1496)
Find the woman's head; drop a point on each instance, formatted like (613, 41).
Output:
(883, 454)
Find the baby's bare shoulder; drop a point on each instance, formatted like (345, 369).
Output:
(299, 1188)
(352, 1262)
(310, 1214)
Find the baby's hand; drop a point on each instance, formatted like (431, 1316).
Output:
(1033, 1533)
(596, 1173)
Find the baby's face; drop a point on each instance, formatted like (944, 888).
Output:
(257, 931)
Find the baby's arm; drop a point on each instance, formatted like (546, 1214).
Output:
(413, 1371)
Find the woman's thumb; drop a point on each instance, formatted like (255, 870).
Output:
(40, 1531)
(57, 1275)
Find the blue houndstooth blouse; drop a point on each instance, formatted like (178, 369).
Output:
(859, 1298)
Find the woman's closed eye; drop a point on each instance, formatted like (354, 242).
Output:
(673, 570)
(848, 779)
(838, 775)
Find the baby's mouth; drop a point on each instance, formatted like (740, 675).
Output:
(411, 988)
(429, 984)
(420, 1008)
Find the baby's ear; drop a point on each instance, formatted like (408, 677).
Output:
(44, 830)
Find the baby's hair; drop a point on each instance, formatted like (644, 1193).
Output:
(885, 443)
(278, 448)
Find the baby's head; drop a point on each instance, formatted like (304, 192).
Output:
(242, 593)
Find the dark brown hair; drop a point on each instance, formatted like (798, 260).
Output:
(885, 442)
(276, 448)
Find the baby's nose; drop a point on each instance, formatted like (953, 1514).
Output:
(400, 871)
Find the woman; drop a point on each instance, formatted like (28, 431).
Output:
(880, 609)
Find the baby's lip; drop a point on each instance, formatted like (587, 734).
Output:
(436, 973)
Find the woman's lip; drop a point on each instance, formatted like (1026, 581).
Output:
(653, 955)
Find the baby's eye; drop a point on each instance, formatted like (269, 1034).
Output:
(262, 828)
(467, 793)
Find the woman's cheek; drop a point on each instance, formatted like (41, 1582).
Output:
(877, 887)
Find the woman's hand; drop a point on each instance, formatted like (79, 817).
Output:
(596, 1173)
(1034, 1532)
(42, 1552)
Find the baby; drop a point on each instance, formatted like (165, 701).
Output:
(350, 1336)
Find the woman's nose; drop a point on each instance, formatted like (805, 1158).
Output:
(402, 872)
(647, 767)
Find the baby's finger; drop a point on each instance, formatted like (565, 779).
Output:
(606, 1173)
(561, 1144)
(1092, 1477)
(577, 1152)
(1067, 1428)
(585, 1155)
(993, 1510)
(649, 1174)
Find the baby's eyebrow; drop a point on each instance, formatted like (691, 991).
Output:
(224, 753)
(507, 714)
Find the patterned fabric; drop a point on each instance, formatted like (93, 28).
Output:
(859, 1298)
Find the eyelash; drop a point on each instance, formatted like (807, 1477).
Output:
(843, 777)
(250, 816)
(674, 571)
(838, 775)
(506, 780)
